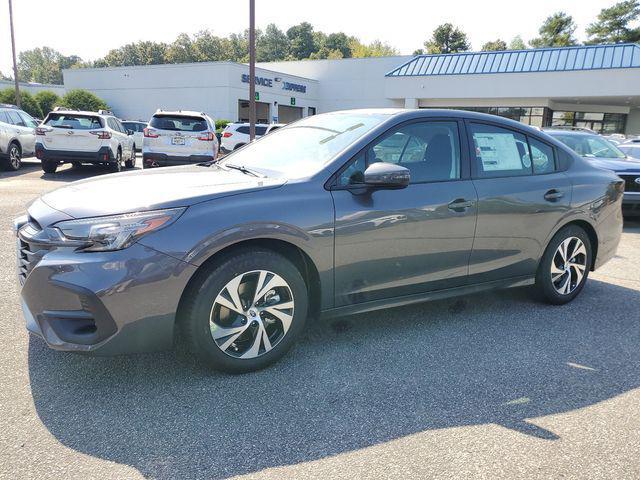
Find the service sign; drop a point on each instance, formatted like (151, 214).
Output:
(269, 82)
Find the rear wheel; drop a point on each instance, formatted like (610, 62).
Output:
(117, 165)
(564, 268)
(240, 145)
(49, 166)
(245, 313)
(14, 159)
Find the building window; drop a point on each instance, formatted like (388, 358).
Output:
(604, 123)
(534, 116)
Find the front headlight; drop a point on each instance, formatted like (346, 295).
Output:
(101, 234)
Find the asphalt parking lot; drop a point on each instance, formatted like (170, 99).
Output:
(486, 386)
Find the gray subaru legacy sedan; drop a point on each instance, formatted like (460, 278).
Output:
(335, 214)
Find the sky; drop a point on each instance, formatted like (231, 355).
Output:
(90, 29)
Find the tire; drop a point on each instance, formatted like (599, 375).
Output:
(240, 145)
(131, 163)
(559, 281)
(14, 157)
(116, 166)
(49, 166)
(202, 314)
(76, 165)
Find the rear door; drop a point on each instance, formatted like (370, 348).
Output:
(29, 135)
(73, 132)
(521, 198)
(20, 130)
(179, 135)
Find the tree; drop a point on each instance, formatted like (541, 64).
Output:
(302, 43)
(339, 42)
(613, 24)
(5, 77)
(181, 50)
(273, 45)
(373, 49)
(83, 100)
(447, 39)
(46, 100)
(27, 102)
(556, 31)
(44, 65)
(208, 47)
(517, 43)
(494, 45)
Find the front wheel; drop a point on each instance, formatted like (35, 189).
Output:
(132, 160)
(564, 268)
(14, 160)
(49, 166)
(245, 313)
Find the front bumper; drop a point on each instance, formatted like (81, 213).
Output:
(104, 155)
(631, 204)
(104, 303)
(151, 160)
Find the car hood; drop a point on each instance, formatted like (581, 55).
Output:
(618, 165)
(153, 189)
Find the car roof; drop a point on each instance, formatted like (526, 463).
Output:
(191, 113)
(82, 112)
(574, 133)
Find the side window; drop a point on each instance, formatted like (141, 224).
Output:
(499, 152)
(542, 156)
(121, 129)
(244, 130)
(430, 150)
(15, 119)
(28, 120)
(3, 117)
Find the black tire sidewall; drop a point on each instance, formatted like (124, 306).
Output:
(49, 167)
(207, 287)
(543, 277)
(10, 166)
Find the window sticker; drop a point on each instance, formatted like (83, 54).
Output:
(498, 151)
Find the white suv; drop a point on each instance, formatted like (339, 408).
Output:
(72, 136)
(236, 135)
(17, 136)
(179, 138)
(137, 129)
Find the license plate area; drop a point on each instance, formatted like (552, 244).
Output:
(177, 141)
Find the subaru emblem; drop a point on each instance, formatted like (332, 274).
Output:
(637, 180)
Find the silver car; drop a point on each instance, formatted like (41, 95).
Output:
(17, 136)
(179, 138)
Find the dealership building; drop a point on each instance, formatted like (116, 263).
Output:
(596, 87)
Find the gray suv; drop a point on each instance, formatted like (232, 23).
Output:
(335, 214)
(17, 136)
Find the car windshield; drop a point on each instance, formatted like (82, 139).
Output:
(304, 147)
(590, 145)
(182, 123)
(73, 121)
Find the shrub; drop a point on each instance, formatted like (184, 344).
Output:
(27, 102)
(220, 124)
(83, 100)
(46, 100)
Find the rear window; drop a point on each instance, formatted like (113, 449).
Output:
(133, 126)
(181, 123)
(73, 121)
(259, 130)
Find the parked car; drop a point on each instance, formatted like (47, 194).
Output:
(631, 149)
(137, 130)
(178, 138)
(17, 136)
(77, 137)
(335, 214)
(236, 135)
(604, 154)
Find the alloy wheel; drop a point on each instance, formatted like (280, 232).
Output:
(568, 265)
(251, 314)
(14, 157)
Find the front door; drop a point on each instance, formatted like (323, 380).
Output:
(390, 243)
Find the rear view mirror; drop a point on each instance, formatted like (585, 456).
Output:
(387, 175)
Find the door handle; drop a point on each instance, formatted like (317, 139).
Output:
(553, 195)
(460, 205)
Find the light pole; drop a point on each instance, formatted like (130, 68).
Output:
(13, 52)
(252, 70)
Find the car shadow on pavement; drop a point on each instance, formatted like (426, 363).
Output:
(25, 168)
(496, 358)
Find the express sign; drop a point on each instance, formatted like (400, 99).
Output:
(268, 82)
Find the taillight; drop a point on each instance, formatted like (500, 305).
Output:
(226, 134)
(149, 133)
(208, 137)
(101, 134)
(42, 131)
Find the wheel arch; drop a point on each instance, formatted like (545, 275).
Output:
(589, 230)
(292, 252)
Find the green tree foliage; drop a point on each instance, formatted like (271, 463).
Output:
(447, 39)
(44, 65)
(301, 41)
(46, 100)
(220, 124)
(556, 31)
(376, 48)
(614, 24)
(82, 100)
(27, 102)
(517, 43)
(494, 46)
(273, 45)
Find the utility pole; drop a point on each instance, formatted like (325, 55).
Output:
(13, 51)
(252, 70)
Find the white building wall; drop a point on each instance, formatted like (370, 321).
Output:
(215, 88)
(34, 88)
(633, 122)
(346, 83)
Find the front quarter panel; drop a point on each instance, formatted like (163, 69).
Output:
(301, 214)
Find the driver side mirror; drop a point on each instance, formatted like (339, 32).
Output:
(387, 175)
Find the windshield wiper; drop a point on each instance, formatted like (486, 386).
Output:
(243, 169)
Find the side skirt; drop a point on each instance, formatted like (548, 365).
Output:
(425, 297)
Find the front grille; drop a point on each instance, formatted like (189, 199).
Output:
(630, 184)
(29, 252)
